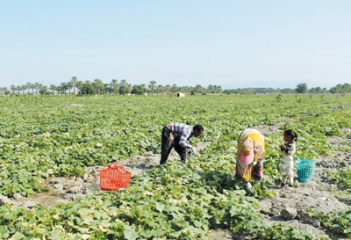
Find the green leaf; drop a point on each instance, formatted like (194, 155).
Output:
(18, 236)
(160, 207)
(3, 230)
(57, 235)
(130, 234)
(335, 227)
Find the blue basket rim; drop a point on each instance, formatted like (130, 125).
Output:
(296, 159)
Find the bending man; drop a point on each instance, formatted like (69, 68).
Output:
(176, 135)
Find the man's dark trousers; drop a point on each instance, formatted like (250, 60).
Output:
(167, 146)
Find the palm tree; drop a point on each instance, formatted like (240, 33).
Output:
(18, 88)
(74, 82)
(107, 88)
(63, 87)
(123, 83)
(69, 86)
(114, 85)
(13, 88)
(159, 89)
(43, 89)
(144, 87)
(98, 85)
(37, 86)
(152, 86)
(52, 88)
(124, 87)
(32, 86)
(79, 86)
(28, 86)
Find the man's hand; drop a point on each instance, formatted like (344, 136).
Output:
(193, 150)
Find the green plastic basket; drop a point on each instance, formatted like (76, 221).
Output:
(304, 169)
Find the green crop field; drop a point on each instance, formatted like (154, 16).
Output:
(50, 136)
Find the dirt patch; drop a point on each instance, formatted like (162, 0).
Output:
(274, 128)
(220, 234)
(64, 190)
(139, 165)
(346, 130)
(333, 140)
(342, 144)
(269, 129)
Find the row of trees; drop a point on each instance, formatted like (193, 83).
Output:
(122, 87)
(99, 87)
(300, 88)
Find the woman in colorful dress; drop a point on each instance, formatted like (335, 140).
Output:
(249, 163)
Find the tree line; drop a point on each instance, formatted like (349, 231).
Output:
(300, 88)
(122, 87)
(97, 86)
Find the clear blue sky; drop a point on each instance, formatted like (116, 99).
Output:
(230, 43)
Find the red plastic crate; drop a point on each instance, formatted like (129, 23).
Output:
(114, 177)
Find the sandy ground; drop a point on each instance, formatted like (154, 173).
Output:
(289, 206)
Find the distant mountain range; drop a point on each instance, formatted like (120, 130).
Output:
(275, 84)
